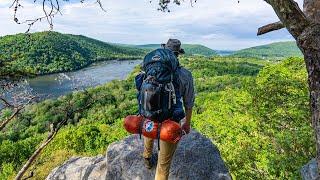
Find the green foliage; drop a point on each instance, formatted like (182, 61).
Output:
(7, 170)
(261, 125)
(281, 104)
(254, 111)
(272, 51)
(217, 66)
(15, 153)
(49, 52)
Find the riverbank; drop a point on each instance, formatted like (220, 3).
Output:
(89, 64)
(57, 84)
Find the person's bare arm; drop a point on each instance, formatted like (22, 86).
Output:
(188, 115)
(187, 125)
(188, 96)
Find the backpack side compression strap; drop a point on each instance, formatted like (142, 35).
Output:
(158, 135)
(141, 127)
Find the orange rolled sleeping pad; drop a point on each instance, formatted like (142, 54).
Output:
(170, 131)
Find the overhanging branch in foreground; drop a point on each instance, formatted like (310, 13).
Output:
(270, 27)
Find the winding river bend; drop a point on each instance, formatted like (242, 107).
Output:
(55, 85)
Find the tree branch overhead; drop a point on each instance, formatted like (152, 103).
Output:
(270, 27)
(290, 15)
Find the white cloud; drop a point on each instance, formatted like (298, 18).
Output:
(218, 24)
(5, 3)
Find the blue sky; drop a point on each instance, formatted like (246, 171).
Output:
(218, 24)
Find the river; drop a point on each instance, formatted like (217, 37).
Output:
(55, 85)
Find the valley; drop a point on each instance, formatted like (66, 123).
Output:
(255, 110)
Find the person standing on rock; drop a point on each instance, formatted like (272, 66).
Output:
(184, 91)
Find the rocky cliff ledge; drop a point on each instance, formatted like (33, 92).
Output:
(195, 158)
(310, 170)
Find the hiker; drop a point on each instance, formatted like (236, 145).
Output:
(180, 94)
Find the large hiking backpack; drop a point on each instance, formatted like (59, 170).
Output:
(158, 95)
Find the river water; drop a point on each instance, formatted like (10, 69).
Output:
(55, 85)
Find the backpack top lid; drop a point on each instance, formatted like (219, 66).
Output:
(161, 64)
(161, 57)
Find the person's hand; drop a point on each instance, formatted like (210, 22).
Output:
(186, 128)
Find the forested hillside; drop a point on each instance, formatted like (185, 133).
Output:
(256, 112)
(274, 51)
(49, 52)
(190, 49)
(105, 50)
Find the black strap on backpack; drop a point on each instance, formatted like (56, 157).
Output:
(158, 135)
(141, 127)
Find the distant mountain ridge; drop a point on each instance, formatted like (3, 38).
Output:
(190, 49)
(276, 50)
(104, 49)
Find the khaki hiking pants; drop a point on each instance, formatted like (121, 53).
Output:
(164, 157)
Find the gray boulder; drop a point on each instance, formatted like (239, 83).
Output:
(77, 168)
(195, 158)
(310, 170)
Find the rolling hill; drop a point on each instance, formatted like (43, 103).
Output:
(50, 52)
(190, 49)
(277, 50)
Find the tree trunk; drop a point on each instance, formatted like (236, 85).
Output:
(311, 9)
(309, 43)
(6, 121)
(35, 155)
